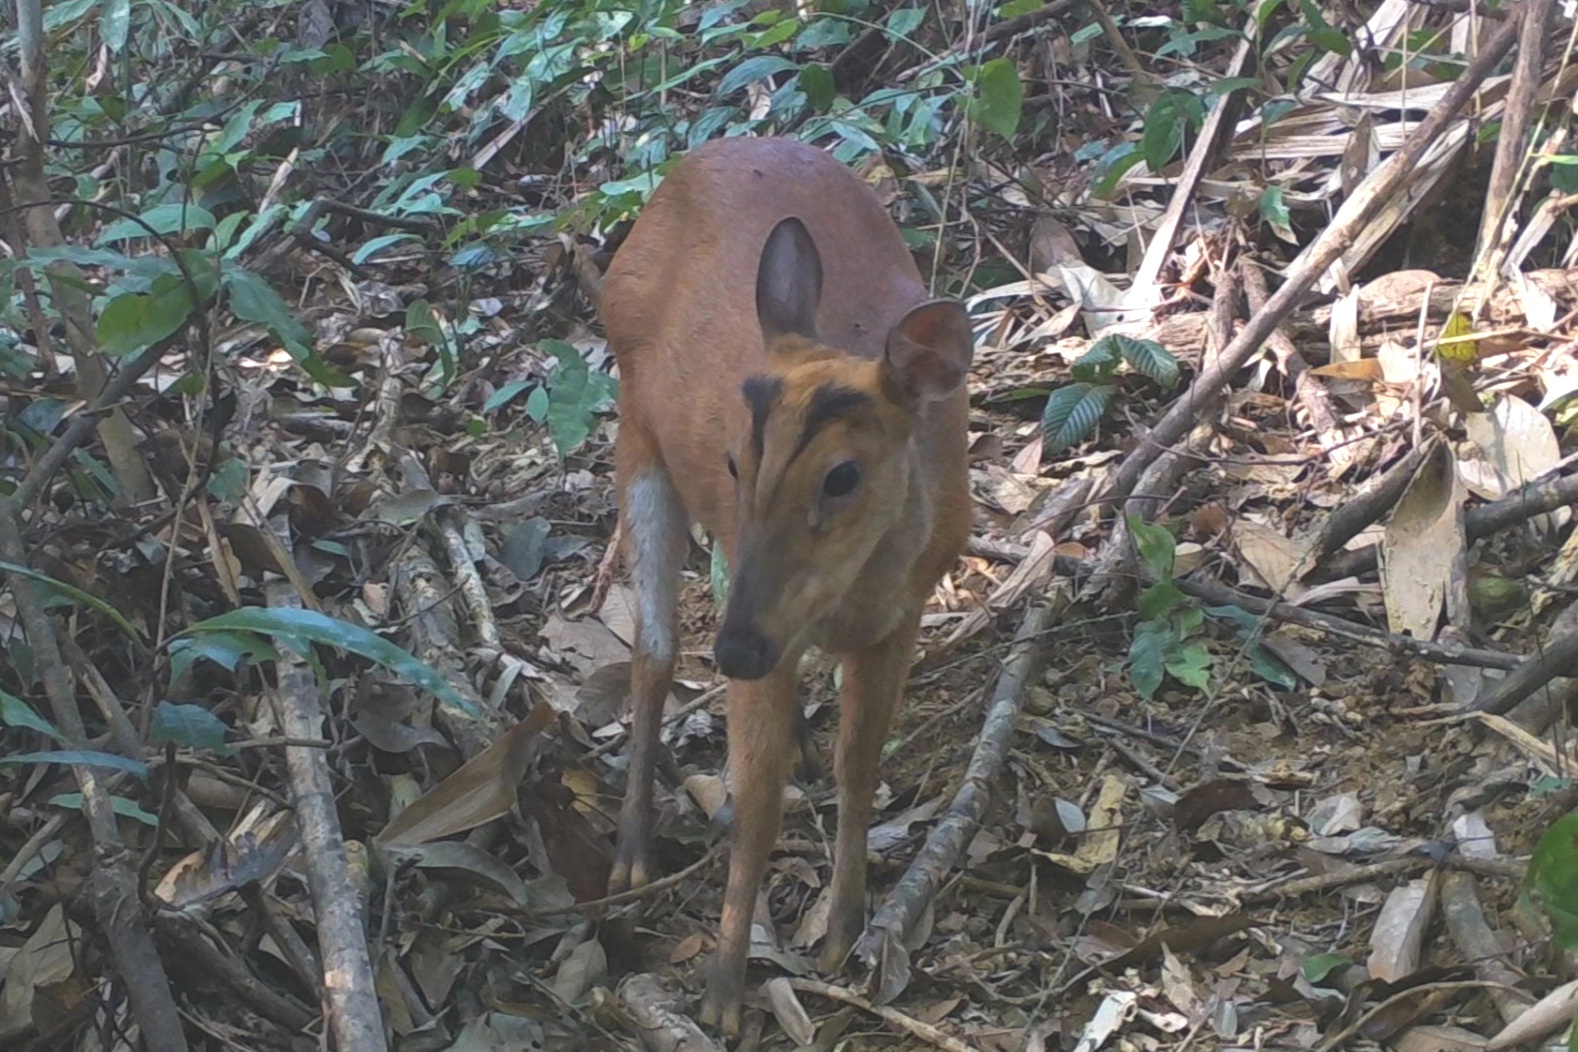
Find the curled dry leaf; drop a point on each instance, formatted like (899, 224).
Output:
(1518, 444)
(1421, 545)
(788, 1010)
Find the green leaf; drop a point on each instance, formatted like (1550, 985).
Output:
(14, 712)
(999, 98)
(817, 83)
(1552, 881)
(1321, 965)
(191, 726)
(293, 627)
(133, 321)
(1148, 656)
(229, 479)
(77, 594)
(1165, 124)
(537, 404)
(1274, 208)
(381, 242)
(575, 395)
(1071, 414)
(1190, 664)
(1156, 544)
(504, 395)
(79, 758)
(1321, 31)
(903, 21)
(254, 300)
(172, 218)
(1159, 600)
(719, 573)
(1099, 363)
(1271, 668)
(751, 70)
(115, 24)
(1117, 163)
(1230, 84)
(119, 804)
(1148, 358)
(228, 650)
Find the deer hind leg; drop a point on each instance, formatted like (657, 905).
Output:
(654, 522)
(873, 686)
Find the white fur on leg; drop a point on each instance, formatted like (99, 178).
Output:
(655, 522)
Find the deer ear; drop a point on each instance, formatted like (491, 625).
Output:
(929, 350)
(788, 282)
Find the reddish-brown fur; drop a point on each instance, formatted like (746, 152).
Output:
(698, 299)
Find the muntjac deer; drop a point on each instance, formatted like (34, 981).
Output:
(785, 381)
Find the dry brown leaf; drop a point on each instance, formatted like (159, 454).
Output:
(687, 948)
(478, 792)
(1399, 933)
(1421, 545)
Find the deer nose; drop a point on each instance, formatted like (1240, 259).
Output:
(743, 652)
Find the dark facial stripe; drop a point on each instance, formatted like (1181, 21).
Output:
(761, 394)
(828, 403)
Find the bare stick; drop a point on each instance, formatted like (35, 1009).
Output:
(1533, 498)
(1512, 152)
(349, 994)
(1559, 657)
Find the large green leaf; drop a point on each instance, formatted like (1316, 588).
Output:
(190, 725)
(1148, 358)
(1071, 414)
(14, 712)
(133, 321)
(172, 218)
(1099, 363)
(297, 628)
(1552, 880)
(76, 594)
(1148, 656)
(254, 299)
(999, 96)
(1157, 546)
(78, 757)
(575, 395)
(751, 70)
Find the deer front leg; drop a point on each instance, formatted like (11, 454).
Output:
(873, 684)
(761, 725)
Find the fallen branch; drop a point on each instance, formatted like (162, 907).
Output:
(1542, 1019)
(1534, 498)
(946, 843)
(350, 999)
(1559, 657)
(1446, 654)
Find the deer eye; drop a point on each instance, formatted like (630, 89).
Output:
(842, 480)
(734, 469)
